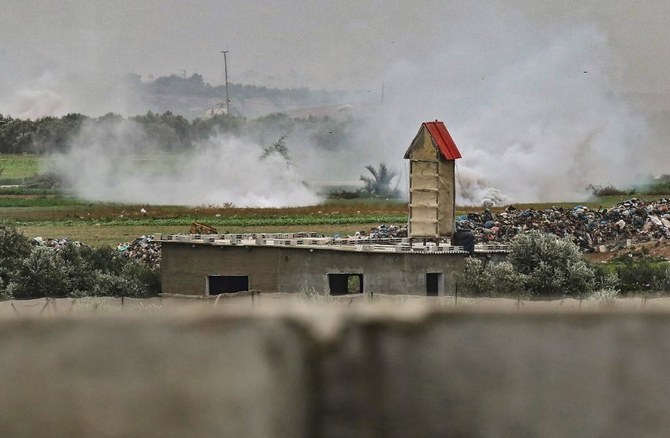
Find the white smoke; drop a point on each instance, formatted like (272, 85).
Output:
(533, 121)
(114, 162)
(531, 93)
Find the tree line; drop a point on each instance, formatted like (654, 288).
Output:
(171, 132)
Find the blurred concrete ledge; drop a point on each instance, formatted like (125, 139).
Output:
(335, 371)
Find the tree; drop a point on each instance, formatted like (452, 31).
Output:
(379, 184)
(278, 147)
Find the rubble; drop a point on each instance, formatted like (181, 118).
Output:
(56, 244)
(143, 249)
(382, 232)
(593, 230)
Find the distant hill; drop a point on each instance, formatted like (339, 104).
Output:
(193, 98)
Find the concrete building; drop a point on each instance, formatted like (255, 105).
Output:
(204, 265)
(209, 265)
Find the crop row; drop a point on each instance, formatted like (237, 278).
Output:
(228, 221)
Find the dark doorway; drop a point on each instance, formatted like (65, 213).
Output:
(433, 281)
(223, 284)
(345, 284)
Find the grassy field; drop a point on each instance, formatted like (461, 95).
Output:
(16, 167)
(48, 213)
(109, 224)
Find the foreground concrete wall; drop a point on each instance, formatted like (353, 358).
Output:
(337, 372)
(185, 267)
(132, 378)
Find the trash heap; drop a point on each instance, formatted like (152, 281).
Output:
(143, 249)
(383, 232)
(605, 229)
(56, 244)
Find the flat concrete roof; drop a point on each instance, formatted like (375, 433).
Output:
(317, 241)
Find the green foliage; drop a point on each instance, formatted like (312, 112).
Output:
(14, 247)
(608, 190)
(242, 221)
(379, 183)
(278, 148)
(71, 271)
(538, 265)
(42, 274)
(15, 168)
(481, 278)
(638, 273)
(552, 266)
(135, 280)
(658, 187)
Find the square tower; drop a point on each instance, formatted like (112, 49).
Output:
(432, 193)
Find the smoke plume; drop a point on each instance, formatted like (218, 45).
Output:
(116, 162)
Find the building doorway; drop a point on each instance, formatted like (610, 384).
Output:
(225, 284)
(434, 284)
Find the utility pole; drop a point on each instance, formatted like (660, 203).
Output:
(225, 73)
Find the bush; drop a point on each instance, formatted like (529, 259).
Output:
(481, 278)
(638, 273)
(42, 274)
(609, 190)
(551, 266)
(71, 271)
(14, 247)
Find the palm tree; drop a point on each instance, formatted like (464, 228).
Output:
(379, 185)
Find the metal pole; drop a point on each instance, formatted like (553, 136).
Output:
(225, 73)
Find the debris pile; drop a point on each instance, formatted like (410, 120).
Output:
(605, 229)
(382, 232)
(143, 249)
(56, 244)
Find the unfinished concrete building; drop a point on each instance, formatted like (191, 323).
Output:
(203, 265)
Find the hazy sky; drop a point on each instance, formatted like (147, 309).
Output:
(332, 44)
(533, 91)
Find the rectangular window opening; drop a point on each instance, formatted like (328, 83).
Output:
(433, 283)
(345, 284)
(225, 284)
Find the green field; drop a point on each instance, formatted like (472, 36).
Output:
(49, 213)
(15, 168)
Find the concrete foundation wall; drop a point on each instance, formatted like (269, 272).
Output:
(321, 373)
(185, 267)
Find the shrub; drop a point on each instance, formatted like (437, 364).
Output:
(551, 266)
(135, 280)
(609, 190)
(75, 271)
(640, 273)
(481, 278)
(42, 274)
(14, 247)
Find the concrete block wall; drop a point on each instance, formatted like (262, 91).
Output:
(328, 372)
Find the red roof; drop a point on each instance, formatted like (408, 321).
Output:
(443, 140)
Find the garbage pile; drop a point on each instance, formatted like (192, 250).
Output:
(605, 229)
(143, 249)
(56, 244)
(382, 232)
